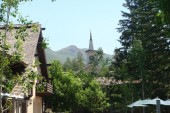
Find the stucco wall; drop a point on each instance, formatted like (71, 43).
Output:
(35, 102)
(37, 105)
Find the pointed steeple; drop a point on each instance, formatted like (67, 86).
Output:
(90, 52)
(91, 42)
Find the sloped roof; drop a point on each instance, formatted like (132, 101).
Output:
(90, 68)
(108, 81)
(30, 43)
(17, 91)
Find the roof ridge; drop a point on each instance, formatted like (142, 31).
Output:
(21, 25)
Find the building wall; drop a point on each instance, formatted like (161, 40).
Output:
(90, 54)
(35, 102)
(16, 106)
(31, 101)
(37, 105)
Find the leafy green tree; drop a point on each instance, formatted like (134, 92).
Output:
(78, 62)
(67, 64)
(75, 64)
(73, 92)
(100, 65)
(98, 57)
(66, 85)
(92, 97)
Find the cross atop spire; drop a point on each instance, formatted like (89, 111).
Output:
(91, 42)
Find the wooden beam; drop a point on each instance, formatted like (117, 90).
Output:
(48, 64)
(43, 28)
(36, 54)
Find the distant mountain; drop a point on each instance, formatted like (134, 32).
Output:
(68, 52)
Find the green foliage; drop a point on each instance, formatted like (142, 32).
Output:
(141, 61)
(24, 77)
(98, 57)
(73, 92)
(136, 59)
(99, 65)
(92, 97)
(75, 64)
(65, 87)
(45, 44)
(40, 87)
(163, 5)
(68, 64)
(8, 77)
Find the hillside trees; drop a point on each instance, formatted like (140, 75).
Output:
(76, 91)
(99, 65)
(75, 64)
(144, 52)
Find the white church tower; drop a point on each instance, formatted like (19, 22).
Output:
(90, 52)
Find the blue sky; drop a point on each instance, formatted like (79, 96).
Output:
(68, 22)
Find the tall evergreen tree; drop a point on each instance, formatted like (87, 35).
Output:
(164, 10)
(141, 24)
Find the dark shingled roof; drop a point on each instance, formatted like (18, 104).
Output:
(18, 91)
(30, 43)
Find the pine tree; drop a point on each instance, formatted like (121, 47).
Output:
(141, 23)
(164, 10)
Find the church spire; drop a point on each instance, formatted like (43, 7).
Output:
(91, 42)
(90, 52)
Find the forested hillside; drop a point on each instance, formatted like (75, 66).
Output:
(68, 52)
